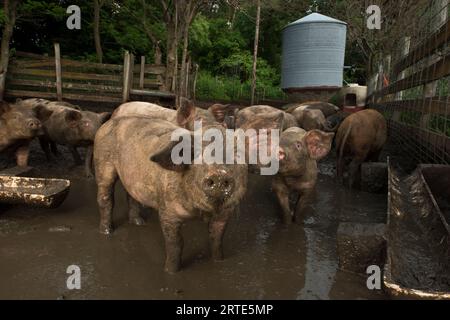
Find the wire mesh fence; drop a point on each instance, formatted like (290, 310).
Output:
(411, 86)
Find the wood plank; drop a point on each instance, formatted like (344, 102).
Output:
(31, 94)
(126, 77)
(71, 96)
(435, 41)
(434, 105)
(65, 85)
(58, 72)
(432, 140)
(33, 64)
(142, 73)
(151, 69)
(95, 98)
(436, 71)
(65, 75)
(153, 93)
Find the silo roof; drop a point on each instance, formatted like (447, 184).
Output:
(316, 18)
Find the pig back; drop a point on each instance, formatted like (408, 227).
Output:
(132, 141)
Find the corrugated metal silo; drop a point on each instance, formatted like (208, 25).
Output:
(313, 54)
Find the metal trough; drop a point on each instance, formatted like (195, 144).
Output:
(38, 192)
(418, 234)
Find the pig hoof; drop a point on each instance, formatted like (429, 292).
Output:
(106, 230)
(172, 269)
(137, 221)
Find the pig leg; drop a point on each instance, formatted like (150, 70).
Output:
(76, 156)
(54, 149)
(133, 212)
(282, 192)
(217, 227)
(22, 155)
(88, 162)
(171, 228)
(304, 200)
(46, 148)
(353, 171)
(106, 178)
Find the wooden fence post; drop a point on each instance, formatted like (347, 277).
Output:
(430, 89)
(58, 72)
(131, 73)
(142, 74)
(126, 77)
(194, 86)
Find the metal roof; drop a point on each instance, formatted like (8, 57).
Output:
(316, 18)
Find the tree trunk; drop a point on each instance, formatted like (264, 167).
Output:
(98, 45)
(255, 50)
(183, 74)
(10, 7)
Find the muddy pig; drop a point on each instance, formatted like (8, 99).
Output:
(138, 151)
(18, 126)
(327, 108)
(249, 114)
(312, 120)
(298, 153)
(216, 113)
(360, 137)
(69, 126)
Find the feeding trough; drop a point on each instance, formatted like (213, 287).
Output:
(418, 236)
(38, 192)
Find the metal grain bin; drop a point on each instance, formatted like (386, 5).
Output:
(313, 54)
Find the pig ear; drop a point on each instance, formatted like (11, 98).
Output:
(42, 113)
(4, 107)
(318, 143)
(105, 116)
(186, 112)
(73, 117)
(163, 157)
(221, 111)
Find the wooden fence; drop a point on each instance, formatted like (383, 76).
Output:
(412, 89)
(32, 75)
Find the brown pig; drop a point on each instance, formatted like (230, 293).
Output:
(18, 126)
(312, 119)
(298, 153)
(69, 126)
(216, 113)
(249, 114)
(361, 137)
(138, 151)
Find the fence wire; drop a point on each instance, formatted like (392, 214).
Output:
(412, 85)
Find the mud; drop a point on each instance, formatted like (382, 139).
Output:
(263, 258)
(418, 253)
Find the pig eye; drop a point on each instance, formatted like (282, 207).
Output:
(299, 145)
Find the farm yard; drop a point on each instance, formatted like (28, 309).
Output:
(357, 122)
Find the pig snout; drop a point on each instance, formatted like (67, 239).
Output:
(218, 186)
(34, 124)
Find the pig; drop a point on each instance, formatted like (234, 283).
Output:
(216, 113)
(312, 120)
(299, 152)
(18, 126)
(327, 108)
(360, 137)
(137, 150)
(69, 126)
(335, 120)
(246, 115)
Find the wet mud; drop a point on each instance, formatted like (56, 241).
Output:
(263, 258)
(418, 253)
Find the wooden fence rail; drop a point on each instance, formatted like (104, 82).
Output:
(416, 99)
(32, 75)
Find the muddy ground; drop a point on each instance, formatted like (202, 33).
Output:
(263, 258)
